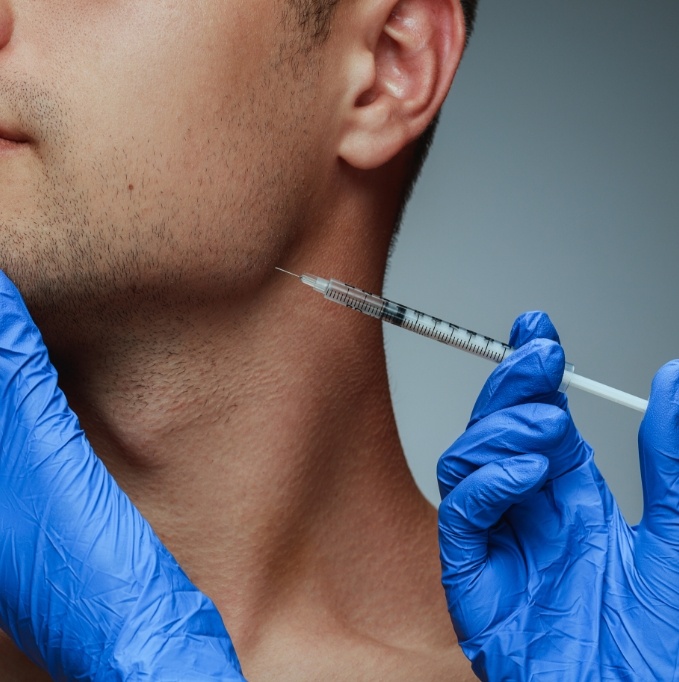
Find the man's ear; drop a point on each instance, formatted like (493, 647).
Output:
(405, 54)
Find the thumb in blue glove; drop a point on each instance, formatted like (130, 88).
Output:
(87, 590)
(544, 579)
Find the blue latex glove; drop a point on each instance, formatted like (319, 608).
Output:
(544, 578)
(87, 590)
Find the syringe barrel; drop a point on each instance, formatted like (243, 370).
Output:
(356, 299)
(416, 321)
(425, 325)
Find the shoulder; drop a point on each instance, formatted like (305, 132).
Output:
(15, 666)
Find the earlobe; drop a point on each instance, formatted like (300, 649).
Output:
(412, 61)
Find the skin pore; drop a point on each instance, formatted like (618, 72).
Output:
(162, 159)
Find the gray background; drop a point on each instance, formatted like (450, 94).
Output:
(553, 184)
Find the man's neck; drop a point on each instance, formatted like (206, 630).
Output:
(260, 444)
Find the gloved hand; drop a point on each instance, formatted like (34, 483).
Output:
(544, 578)
(87, 590)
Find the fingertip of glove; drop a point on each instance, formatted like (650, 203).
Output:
(532, 325)
(525, 472)
(12, 303)
(665, 389)
(667, 377)
(20, 339)
(7, 285)
(5, 280)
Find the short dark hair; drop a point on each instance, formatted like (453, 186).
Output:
(314, 17)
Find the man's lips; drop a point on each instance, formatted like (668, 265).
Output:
(10, 135)
(12, 140)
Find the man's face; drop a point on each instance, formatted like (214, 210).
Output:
(168, 148)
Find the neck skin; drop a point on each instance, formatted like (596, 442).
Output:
(258, 439)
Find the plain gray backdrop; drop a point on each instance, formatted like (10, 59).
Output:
(553, 184)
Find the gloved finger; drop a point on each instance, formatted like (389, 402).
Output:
(28, 384)
(465, 517)
(530, 428)
(532, 325)
(86, 588)
(659, 455)
(533, 373)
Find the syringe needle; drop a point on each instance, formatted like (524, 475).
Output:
(287, 272)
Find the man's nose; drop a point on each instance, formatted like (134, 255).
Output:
(6, 23)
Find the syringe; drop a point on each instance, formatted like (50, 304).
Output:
(450, 334)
